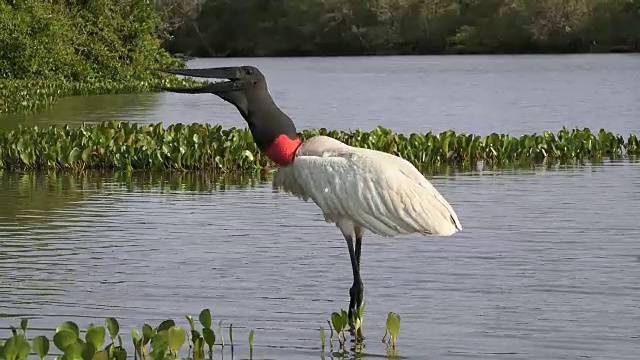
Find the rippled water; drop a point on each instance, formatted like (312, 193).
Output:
(547, 266)
(478, 94)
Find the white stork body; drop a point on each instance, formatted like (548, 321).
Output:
(359, 188)
(356, 188)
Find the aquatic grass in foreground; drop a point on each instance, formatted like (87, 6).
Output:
(127, 146)
(166, 341)
(162, 342)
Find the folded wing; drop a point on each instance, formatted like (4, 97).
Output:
(378, 191)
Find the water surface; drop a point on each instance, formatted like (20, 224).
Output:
(478, 94)
(546, 267)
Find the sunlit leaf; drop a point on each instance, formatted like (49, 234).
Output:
(64, 338)
(96, 336)
(69, 325)
(113, 326)
(176, 337)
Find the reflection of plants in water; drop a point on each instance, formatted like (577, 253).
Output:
(166, 341)
(35, 191)
(29, 191)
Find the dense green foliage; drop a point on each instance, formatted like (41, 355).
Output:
(165, 341)
(335, 27)
(76, 47)
(125, 146)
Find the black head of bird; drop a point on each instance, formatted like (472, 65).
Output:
(243, 86)
(246, 88)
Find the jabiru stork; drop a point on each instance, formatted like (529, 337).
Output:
(357, 189)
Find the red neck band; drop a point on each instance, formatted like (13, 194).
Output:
(283, 150)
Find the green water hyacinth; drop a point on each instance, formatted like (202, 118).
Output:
(126, 146)
(104, 342)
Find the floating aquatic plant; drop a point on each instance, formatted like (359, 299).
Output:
(126, 146)
(251, 343)
(322, 337)
(162, 342)
(392, 329)
(340, 320)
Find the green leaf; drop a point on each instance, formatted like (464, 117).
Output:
(88, 351)
(120, 353)
(74, 155)
(209, 336)
(205, 318)
(192, 324)
(23, 325)
(147, 333)
(40, 345)
(69, 325)
(74, 351)
(393, 324)
(101, 355)
(220, 332)
(10, 348)
(160, 340)
(251, 339)
(345, 318)
(176, 336)
(248, 155)
(336, 321)
(165, 325)
(135, 337)
(86, 154)
(95, 336)
(113, 327)
(64, 338)
(361, 310)
(322, 336)
(23, 349)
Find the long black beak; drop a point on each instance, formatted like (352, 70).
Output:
(232, 74)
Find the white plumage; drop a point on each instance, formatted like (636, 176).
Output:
(359, 188)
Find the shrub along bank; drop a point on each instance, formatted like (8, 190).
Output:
(77, 47)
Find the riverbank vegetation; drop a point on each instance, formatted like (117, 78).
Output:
(127, 146)
(60, 48)
(354, 27)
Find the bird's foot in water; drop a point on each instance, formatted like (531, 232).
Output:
(355, 314)
(355, 330)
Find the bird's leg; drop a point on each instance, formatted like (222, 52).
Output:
(356, 291)
(360, 293)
